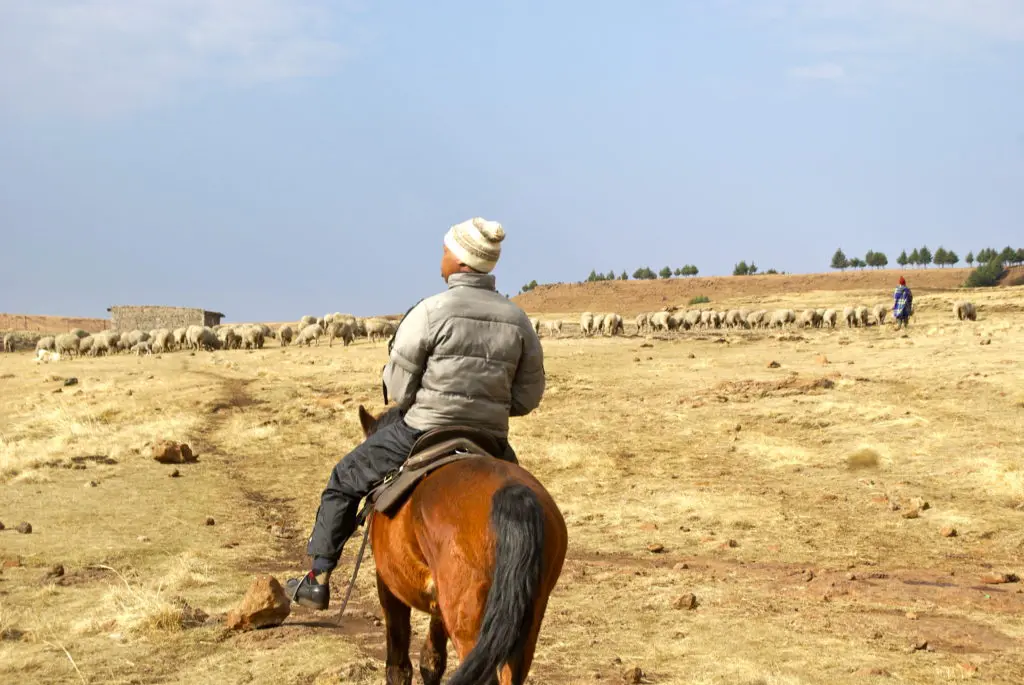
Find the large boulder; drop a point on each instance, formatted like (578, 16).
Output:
(265, 605)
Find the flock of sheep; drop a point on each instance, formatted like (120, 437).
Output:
(674, 319)
(309, 331)
(851, 317)
(345, 327)
(590, 324)
(761, 318)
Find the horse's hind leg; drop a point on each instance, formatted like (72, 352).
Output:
(434, 656)
(399, 630)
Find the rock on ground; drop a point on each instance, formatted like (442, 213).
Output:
(634, 676)
(170, 452)
(686, 602)
(265, 605)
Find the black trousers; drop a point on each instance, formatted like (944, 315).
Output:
(351, 481)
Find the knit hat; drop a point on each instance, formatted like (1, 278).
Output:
(903, 281)
(476, 242)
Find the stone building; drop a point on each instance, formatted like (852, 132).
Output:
(147, 318)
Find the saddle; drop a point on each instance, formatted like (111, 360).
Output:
(434, 449)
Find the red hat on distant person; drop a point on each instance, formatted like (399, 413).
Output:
(903, 281)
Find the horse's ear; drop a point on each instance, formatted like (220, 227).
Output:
(366, 420)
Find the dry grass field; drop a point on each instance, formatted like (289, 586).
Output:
(802, 503)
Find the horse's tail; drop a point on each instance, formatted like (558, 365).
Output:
(518, 524)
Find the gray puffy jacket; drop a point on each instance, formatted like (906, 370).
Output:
(466, 356)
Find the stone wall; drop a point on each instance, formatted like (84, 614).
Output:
(146, 318)
(50, 324)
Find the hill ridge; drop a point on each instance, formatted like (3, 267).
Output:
(632, 297)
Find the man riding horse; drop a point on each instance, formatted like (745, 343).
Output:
(467, 356)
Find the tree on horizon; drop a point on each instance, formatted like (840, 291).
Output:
(839, 260)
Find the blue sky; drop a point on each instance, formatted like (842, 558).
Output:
(274, 158)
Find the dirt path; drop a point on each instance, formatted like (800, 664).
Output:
(270, 510)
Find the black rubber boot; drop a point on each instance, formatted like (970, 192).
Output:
(307, 592)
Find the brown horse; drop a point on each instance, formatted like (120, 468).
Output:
(478, 545)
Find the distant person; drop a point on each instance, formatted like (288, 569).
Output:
(902, 304)
(465, 357)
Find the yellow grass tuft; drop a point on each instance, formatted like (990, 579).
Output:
(188, 571)
(134, 609)
(864, 458)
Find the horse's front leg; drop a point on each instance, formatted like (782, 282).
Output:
(399, 630)
(434, 655)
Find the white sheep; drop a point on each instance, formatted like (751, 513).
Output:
(202, 338)
(340, 329)
(85, 347)
(808, 318)
(310, 334)
(252, 338)
(642, 322)
(378, 329)
(612, 324)
(145, 347)
(230, 338)
(535, 324)
(46, 356)
(104, 343)
(863, 315)
(660, 321)
(162, 340)
(9, 342)
(67, 344)
(779, 317)
(964, 310)
(879, 311)
(850, 317)
(586, 323)
(829, 318)
(135, 337)
(554, 328)
(46, 343)
(266, 330)
(285, 335)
